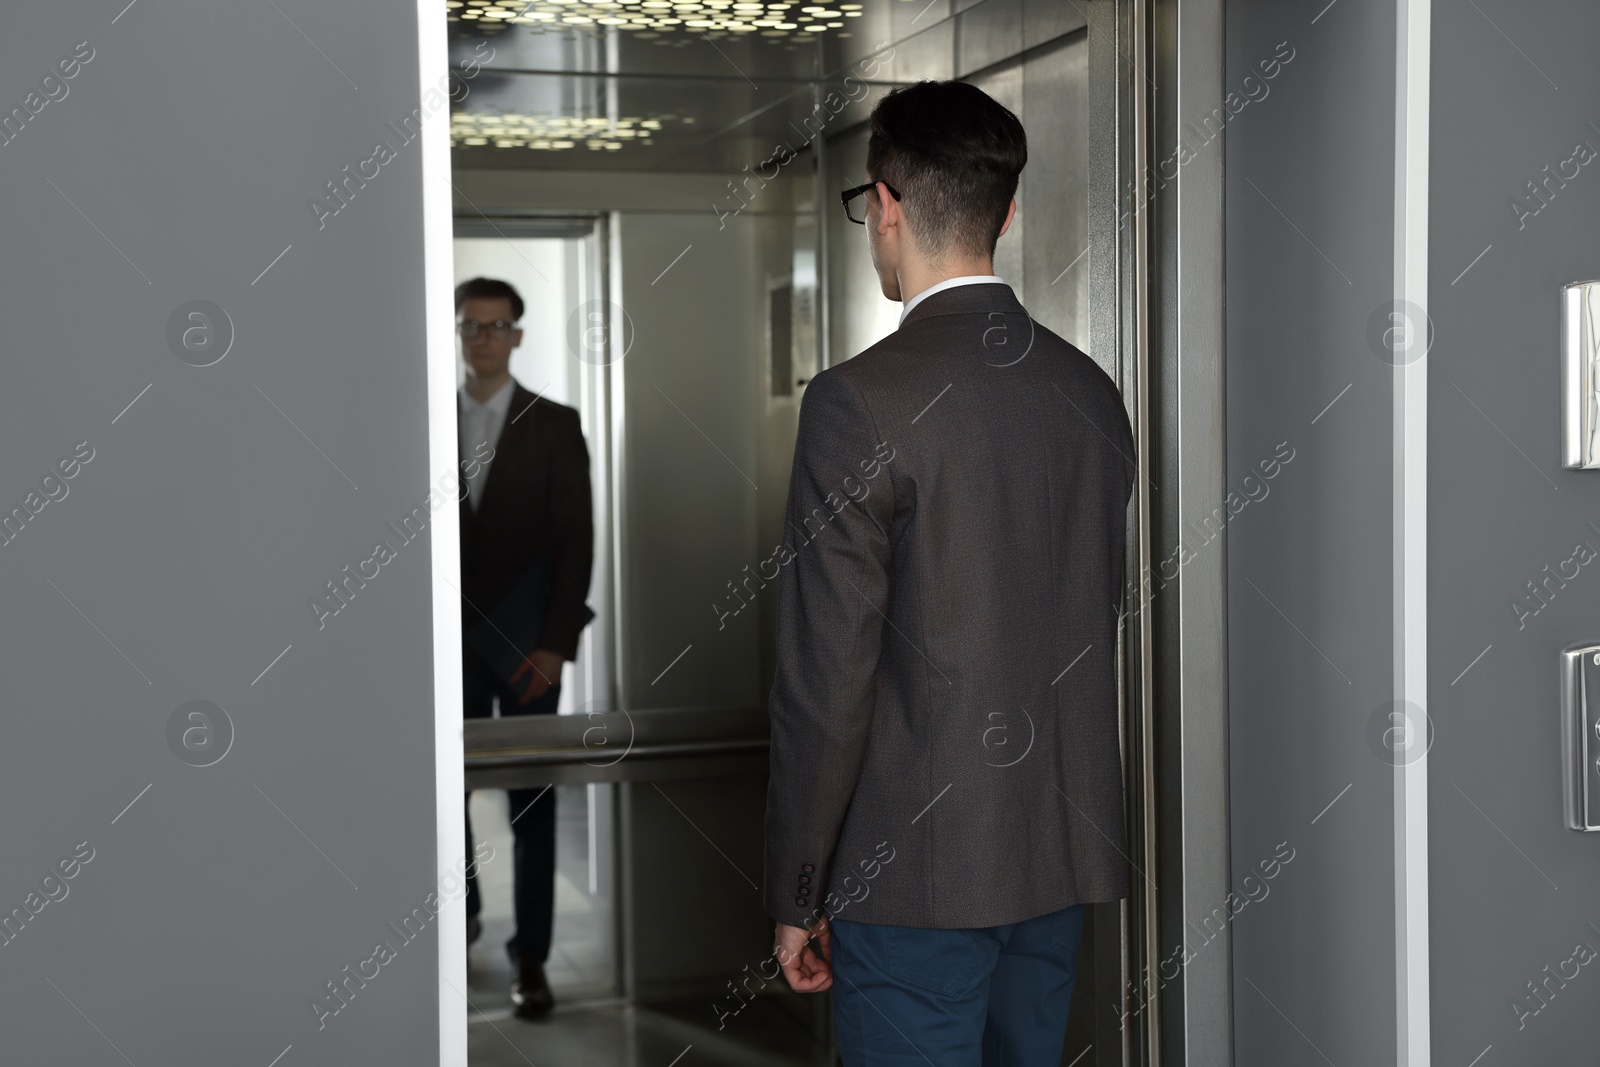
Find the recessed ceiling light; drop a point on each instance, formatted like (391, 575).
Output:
(711, 19)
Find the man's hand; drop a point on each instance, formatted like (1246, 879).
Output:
(805, 970)
(543, 669)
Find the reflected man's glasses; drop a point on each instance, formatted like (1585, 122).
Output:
(850, 205)
(499, 329)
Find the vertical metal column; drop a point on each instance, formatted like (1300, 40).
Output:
(819, 148)
(1139, 295)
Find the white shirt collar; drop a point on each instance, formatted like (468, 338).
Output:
(498, 403)
(948, 283)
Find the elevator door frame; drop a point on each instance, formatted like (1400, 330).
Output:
(1156, 301)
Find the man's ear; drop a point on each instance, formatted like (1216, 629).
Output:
(888, 209)
(1011, 211)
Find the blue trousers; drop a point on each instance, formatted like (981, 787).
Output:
(996, 996)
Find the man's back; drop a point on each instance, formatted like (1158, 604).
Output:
(945, 703)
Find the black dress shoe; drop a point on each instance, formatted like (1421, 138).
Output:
(530, 992)
(474, 928)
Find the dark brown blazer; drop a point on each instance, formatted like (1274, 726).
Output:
(537, 500)
(944, 711)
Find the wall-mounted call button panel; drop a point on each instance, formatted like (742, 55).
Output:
(1580, 375)
(1580, 735)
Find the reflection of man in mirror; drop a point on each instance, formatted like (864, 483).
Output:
(937, 868)
(527, 547)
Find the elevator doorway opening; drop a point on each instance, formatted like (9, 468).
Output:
(687, 178)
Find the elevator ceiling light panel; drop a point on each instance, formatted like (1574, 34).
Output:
(656, 19)
(553, 133)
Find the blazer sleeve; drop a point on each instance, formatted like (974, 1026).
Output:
(571, 514)
(832, 603)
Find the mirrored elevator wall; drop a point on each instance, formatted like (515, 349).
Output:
(712, 337)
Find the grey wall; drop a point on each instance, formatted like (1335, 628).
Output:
(1512, 216)
(1309, 195)
(209, 905)
(1513, 892)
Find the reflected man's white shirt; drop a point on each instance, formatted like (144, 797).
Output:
(480, 423)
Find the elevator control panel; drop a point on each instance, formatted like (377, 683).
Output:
(1580, 735)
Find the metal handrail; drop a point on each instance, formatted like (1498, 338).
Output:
(521, 750)
(535, 757)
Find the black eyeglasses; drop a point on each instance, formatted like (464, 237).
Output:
(499, 329)
(849, 196)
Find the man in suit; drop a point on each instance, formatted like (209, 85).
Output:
(946, 786)
(530, 506)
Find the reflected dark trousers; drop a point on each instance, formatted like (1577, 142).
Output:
(993, 996)
(533, 815)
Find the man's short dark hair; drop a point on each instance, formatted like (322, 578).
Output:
(489, 289)
(954, 154)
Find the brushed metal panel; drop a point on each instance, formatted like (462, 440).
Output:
(987, 34)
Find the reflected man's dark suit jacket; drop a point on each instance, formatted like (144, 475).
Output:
(944, 711)
(536, 502)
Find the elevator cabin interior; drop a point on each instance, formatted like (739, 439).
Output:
(660, 180)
